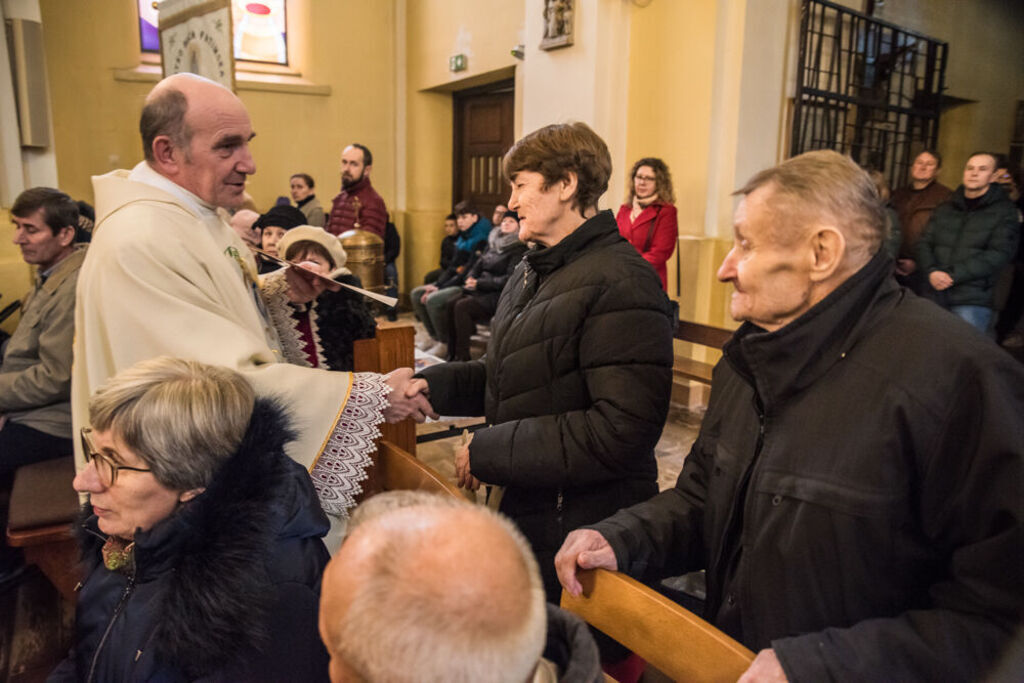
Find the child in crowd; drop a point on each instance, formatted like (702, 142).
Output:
(451, 234)
(320, 333)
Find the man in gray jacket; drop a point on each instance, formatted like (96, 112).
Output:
(35, 374)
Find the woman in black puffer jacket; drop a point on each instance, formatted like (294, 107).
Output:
(578, 372)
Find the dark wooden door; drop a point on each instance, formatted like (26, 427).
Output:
(483, 133)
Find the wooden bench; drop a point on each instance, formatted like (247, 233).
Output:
(396, 470)
(42, 507)
(43, 504)
(669, 637)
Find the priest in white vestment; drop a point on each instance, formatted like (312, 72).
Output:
(167, 275)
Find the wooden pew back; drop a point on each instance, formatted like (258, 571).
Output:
(670, 637)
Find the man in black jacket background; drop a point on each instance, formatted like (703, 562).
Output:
(854, 492)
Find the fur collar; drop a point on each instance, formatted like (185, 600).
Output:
(217, 599)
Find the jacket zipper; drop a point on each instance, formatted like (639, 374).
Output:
(117, 612)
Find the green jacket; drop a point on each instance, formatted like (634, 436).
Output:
(971, 246)
(35, 377)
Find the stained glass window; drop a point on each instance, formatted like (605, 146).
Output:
(260, 29)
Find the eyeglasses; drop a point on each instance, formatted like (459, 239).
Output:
(106, 468)
(645, 178)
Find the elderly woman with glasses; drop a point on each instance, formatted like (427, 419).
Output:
(201, 539)
(648, 218)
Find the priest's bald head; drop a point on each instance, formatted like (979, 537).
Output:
(196, 133)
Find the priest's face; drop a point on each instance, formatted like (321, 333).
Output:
(218, 158)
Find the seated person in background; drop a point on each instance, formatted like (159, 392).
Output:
(305, 201)
(499, 212)
(895, 238)
(648, 218)
(429, 588)
(202, 539)
(273, 225)
(484, 282)
(968, 242)
(914, 205)
(318, 334)
(451, 232)
(430, 302)
(854, 492)
(35, 373)
(244, 223)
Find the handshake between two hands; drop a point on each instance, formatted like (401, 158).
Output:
(409, 397)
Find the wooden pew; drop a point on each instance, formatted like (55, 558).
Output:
(43, 505)
(671, 638)
(396, 470)
(701, 335)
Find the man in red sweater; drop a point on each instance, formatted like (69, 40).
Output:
(357, 205)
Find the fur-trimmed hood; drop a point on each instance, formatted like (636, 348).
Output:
(205, 578)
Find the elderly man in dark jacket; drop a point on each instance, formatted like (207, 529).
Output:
(967, 243)
(578, 372)
(854, 493)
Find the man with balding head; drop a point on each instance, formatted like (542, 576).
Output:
(430, 588)
(854, 492)
(167, 275)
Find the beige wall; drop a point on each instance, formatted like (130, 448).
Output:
(15, 276)
(435, 30)
(96, 112)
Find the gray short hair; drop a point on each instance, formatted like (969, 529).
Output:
(398, 628)
(164, 114)
(824, 185)
(183, 418)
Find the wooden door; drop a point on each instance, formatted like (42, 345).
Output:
(483, 133)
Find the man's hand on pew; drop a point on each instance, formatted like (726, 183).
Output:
(764, 669)
(583, 549)
(407, 397)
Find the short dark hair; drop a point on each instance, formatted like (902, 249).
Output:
(450, 217)
(464, 207)
(932, 152)
(367, 154)
(559, 149)
(164, 114)
(983, 152)
(59, 210)
(306, 178)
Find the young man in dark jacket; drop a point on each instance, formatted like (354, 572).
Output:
(968, 242)
(854, 492)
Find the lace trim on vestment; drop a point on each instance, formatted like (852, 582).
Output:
(343, 463)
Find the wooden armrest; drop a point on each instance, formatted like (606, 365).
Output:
(670, 637)
(42, 497)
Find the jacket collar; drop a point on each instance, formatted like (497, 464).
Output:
(995, 193)
(595, 231)
(782, 363)
(66, 268)
(356, 187)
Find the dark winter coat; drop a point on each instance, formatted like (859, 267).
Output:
(492, 270)
(469, 244)
(570, 649)
(972, 246)
(576, 383)
(226, 589)
(854, 492)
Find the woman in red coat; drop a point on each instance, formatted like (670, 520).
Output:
(648, 218)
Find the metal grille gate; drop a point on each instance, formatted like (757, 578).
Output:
(866, 88)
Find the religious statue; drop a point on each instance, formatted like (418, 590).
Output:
(558, 15)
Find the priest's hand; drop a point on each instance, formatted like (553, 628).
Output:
(304, 285)
(408, 398)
